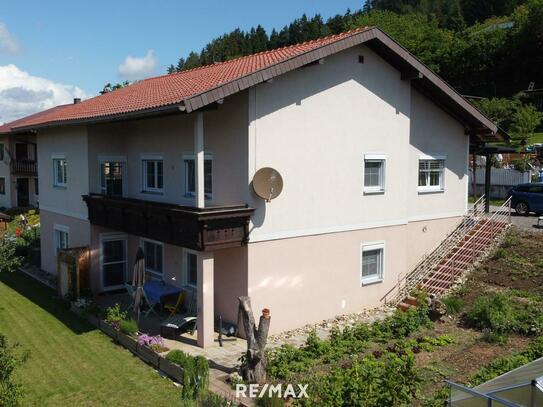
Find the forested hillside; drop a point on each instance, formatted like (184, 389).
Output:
(483, 48)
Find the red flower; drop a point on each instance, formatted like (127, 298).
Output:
(18, 232)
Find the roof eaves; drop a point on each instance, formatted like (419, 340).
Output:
(136, 114)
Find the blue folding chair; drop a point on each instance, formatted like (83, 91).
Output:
(151, 306)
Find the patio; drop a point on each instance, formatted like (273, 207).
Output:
(223, 358)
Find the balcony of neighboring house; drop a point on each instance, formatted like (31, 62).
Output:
(23, 163)
(202, 229)
(24, 167)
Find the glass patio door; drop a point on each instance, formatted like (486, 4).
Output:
(114, 262)
(111, 178)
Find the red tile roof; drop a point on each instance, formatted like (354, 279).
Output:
(191, 90)
(6, 127)
(172, 89)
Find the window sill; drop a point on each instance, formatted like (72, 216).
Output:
(152, 192)
(431, 191)
(192, 196)
(371, 191)
(60, 186)
(371, 281)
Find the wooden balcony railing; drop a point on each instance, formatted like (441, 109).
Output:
(24, 167)
(203, 229)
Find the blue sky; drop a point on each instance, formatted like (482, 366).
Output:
(83, 45)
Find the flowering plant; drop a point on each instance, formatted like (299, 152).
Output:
(156, 343)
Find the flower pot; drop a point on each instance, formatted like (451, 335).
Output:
(171, 369)
(108, 330)
(148, 355)
(128, 342)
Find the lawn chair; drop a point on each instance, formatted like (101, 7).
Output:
(175, 308)
(174, 324)
(131, 292)
(150, 305)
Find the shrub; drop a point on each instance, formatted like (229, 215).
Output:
(492, 311)
(504, 313)
(129, 326)
(195, 373)
(493, 337)
(391, 380)
(10, 391)
(500, 253)
(114, 316)
(453, 304)
(9, 260)
(401, 323)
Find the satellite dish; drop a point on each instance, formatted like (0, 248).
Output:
(267, 183)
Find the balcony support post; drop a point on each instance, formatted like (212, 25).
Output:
(199, 157)
(205, 321)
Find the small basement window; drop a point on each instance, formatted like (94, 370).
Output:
(372, 263)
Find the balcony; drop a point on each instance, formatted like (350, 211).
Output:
(203, 229)
(24, 167)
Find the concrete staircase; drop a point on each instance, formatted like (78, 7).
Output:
(468, 243)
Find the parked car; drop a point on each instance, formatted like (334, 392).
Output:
(527, 198)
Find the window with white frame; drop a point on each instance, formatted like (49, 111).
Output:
(60, 178)
(153, 175)
(431, 174)
(62, 237)
(374, 173)
(372, 263)
(154, 255)
(191, 268)
(190, 175)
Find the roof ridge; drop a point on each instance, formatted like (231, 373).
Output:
(328, 37)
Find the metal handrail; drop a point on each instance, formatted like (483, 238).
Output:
(488, 224)
(428, 263)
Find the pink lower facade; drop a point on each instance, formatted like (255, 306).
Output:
(301, 280)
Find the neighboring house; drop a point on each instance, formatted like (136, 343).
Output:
(18, 169)
(372, 147)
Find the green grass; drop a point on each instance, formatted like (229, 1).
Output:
(493, 201)
(71, 363)
(536, 138)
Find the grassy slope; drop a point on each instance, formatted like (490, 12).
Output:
(71, 363)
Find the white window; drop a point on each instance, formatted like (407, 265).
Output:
(374, 173)
(190, 175)
(59, 172)
(153, 175)
(191, 268)
(62, 236)
(431, 174)
(154, 255)
(372, 263)
(114, 261)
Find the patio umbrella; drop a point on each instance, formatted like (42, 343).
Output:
(138, 279)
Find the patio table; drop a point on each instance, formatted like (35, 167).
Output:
(157, 290)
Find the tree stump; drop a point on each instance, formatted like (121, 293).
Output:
(254, 370)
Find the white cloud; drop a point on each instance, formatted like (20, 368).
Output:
(8, 42)
(22, 94)
(135, 68)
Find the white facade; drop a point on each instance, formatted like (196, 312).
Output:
(316, 126)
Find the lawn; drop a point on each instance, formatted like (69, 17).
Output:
(493, 201)
(71, 363)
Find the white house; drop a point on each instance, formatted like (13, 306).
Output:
(372, 147)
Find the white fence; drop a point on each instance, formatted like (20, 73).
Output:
(501, 179)
(501, 176)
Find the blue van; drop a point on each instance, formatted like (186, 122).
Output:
(527, 198)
